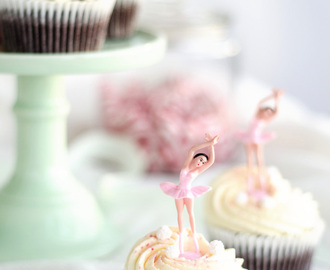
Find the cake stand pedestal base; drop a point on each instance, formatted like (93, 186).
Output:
(44, 212)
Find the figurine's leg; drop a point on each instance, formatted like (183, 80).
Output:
(249, 158)
(260, 160)
(190, 205)
(179, 208)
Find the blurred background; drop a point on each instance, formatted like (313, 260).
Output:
(284, 45)
(223, 54)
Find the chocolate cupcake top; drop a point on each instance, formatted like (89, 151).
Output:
(289, 211)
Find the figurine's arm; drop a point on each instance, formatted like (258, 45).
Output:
(261, 102)
(211, 159)
(277, 94)
(193, 150)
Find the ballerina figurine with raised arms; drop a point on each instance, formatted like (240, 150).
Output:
(254, 139)
(184, 192)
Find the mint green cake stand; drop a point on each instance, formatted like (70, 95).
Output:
(45, 213)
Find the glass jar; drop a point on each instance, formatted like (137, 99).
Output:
(199, 40)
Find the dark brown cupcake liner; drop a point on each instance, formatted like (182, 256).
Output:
(261, 252)
(51, 27)
(275, 259)
(122, 22)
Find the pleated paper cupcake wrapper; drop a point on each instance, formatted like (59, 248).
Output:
(123, 20)
(47, 26)
(270, 253)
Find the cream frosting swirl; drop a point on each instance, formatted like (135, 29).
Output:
(151, 253)
(289, 211)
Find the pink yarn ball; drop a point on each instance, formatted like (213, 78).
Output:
(169, 118)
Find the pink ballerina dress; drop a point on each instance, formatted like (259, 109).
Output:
(184, 189)
(255, 134)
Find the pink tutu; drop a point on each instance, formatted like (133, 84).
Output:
(184, 189)
(178, 192)
(255, 134)
(248, 138)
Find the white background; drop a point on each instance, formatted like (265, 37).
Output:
(285, 43)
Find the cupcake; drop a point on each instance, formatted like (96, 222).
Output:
(279, 231)
(52, 26)
(159, 250)
(123, 20)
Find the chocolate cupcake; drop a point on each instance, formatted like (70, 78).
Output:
(122, 22)
(53, 26)
(279, 232)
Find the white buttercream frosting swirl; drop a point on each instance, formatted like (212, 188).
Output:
(151, 253)
(289, 211)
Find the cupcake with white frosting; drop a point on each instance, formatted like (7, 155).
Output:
(52, 26)
(280, 231)
(159, 250)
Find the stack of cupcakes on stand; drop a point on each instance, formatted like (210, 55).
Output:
(179, 248)
(54, 26)
(256, 211)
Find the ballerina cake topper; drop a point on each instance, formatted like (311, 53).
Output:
(254, 139)
(184, 193)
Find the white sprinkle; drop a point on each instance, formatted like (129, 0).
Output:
(242, 198)
(172, 252)
(216, 247)
(268, 202)
(164, 232)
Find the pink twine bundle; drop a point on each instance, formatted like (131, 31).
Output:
(168, 119)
